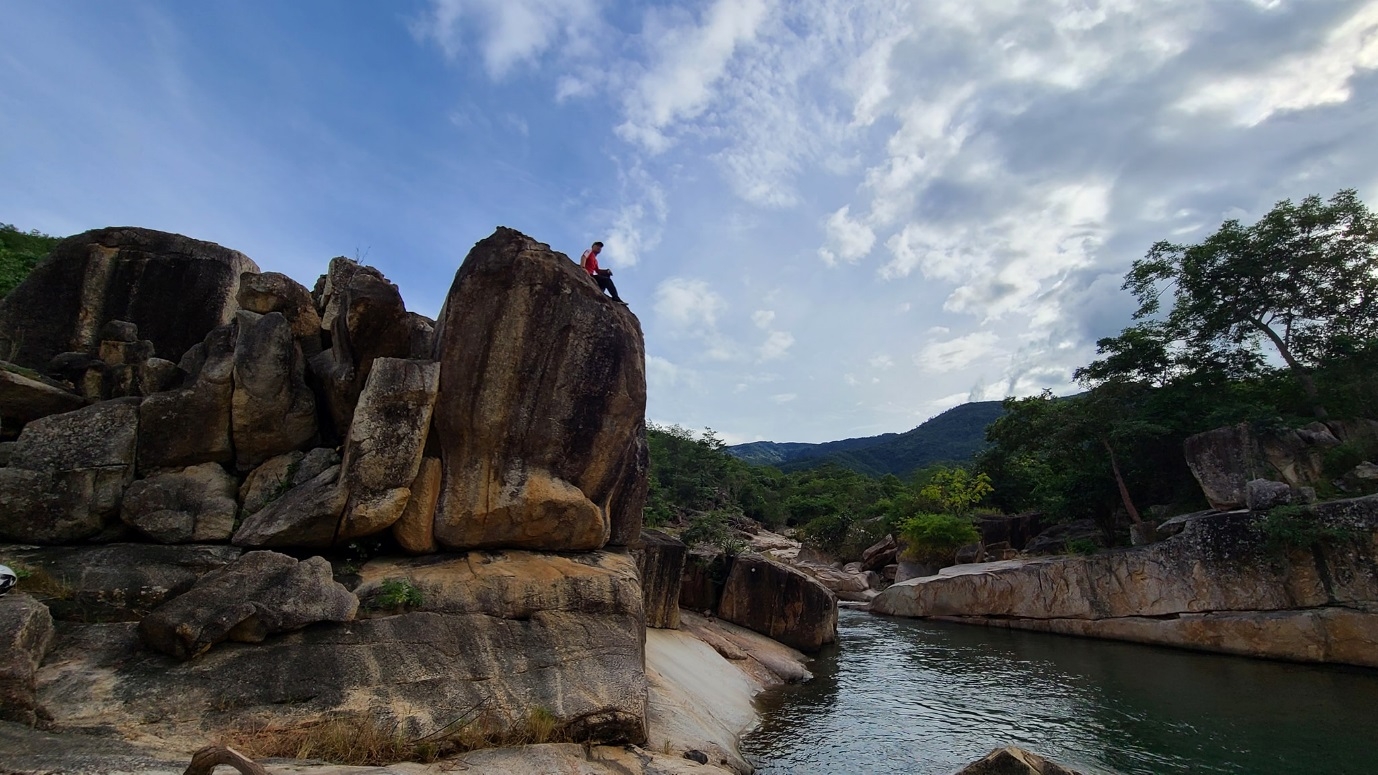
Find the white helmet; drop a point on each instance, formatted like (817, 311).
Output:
(8, 579)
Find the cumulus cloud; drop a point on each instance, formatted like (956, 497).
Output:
(959, 353)
(777, 344)
(848, 240)
(686, 303)
(762, 318)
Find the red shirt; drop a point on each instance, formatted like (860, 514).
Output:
(589, 261)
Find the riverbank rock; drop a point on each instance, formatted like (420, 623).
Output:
(1216, 586)
(852, 585)
(780, 602)
(259, 594)
(660, 559)
(1014, 761)
(542, 404)
(26, 632)
(880, 554)
(174, 288)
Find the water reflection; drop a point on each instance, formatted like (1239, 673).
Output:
(920, 697)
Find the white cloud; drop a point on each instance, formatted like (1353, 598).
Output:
(959, 353)
(762, 318)
(689, 62)
(686, 303)
(661, 373)
(848, 240)
(881, 361)
(1320, 76)
(784, 398)
(510, 31)
(777, 344)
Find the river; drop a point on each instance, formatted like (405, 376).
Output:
(926, 698)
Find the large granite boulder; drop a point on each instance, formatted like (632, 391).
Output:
(365, 319)
(542, 404)
(414, 531)
(113, 582)
(848, 582)
(780, 602)
(175, 289)
(660, 561)
(1218, 585)
(705, 573)
(194, 505)
(191, 425)
(382, 454)
(26, 632)
(259, 594)
(272, 410)
(275, 292)
(1225, 460)
(880, 554)
(1014, 761)
(67, 473)
(279, 474)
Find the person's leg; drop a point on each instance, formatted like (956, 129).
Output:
(605, 283)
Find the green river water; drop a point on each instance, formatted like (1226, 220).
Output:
(926, 698)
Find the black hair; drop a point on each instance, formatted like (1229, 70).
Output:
(598, 244)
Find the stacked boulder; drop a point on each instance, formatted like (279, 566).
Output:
(173, 394)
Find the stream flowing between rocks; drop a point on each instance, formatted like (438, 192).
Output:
(927, 698)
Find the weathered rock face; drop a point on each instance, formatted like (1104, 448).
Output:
(307, 515)
(704, 577)
(542, 404)
(780, 602)
(1225, 460)
(26, 632)
(256, 595)
(847, 583)
(192, 425)
(382, 455)
(272, 411)
(67, 473)
(175, 289)
(280, 474)
(194, 505)
(115, 582)
(880, 554)
(275, 292)
(415, 530)
(660, 561)
(1214, 586)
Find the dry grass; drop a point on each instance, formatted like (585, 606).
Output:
(367, 742)
(40, 583)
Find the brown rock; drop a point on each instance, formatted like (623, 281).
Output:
(383, 452)
(256, 595)
(1014, 761)
(279, 474)
(660, 561)
(704, 576)
(415, 531)
(880, 554)
(780, 602)
(24, 398)
(175, 289)
(26, 632)
(542, 404)
(272, 409)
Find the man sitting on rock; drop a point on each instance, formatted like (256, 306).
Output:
(603, 277)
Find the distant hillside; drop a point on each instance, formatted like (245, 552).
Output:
(953, 436)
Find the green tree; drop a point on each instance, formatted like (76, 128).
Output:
(20, 252)
(956, 490)
(1301, 278)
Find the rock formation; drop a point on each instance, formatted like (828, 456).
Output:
(537, 457)
(26, 632)
(779, 602)
(660, 561)
(1216, 586)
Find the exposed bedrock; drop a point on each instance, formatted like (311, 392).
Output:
(173, 288)
(541, 412)
(779, 602)
(1215, 586)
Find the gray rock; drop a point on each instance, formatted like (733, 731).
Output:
(67, 473)
(26, 632)
(114, 582)
(279, 474)
(880, 554)
(194, 505)
(272, 409)
(906, 569)
(660, 559)
(382, 454)
(779, 602)
(307, 515)
(542, 404)
(275, 292)
(175, 289)
(1261, 494)
(259, 594)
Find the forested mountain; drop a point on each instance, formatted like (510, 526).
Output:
(954, 436)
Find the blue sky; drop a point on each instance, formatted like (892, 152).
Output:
(833, 219)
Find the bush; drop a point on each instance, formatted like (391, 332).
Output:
(398, 593)
(713, 529)
(935, 538)
(1285, 528)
